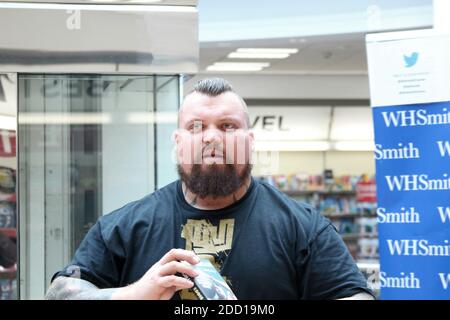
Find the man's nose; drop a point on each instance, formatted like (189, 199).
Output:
(212, 136)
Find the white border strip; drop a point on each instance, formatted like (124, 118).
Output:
(96, 7)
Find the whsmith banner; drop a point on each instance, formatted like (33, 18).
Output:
(409, 74)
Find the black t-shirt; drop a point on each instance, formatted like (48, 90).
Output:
(266, 245)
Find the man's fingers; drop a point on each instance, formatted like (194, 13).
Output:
(168, 293)
(175, 266)
(175, 281)
(180, 254)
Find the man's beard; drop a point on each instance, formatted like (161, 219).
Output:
(214, 181)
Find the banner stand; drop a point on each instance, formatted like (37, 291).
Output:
(409, 76)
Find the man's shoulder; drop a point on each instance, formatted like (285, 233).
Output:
(281, 199)
(300, 214)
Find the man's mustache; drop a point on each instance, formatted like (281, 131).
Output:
(216, 150)
(208, 150)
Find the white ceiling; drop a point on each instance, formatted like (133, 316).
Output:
(329, 34)
(335, 54)
(234, 20)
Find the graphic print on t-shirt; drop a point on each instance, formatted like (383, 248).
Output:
(208, 242)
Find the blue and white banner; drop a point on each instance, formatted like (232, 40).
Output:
(409, 76)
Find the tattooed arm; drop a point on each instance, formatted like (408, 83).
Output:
(65, 288)
(160, 282)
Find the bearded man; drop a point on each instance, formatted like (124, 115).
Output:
(264, 244)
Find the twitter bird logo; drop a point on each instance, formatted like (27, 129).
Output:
(411, 59)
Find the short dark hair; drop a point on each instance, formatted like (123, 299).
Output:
(214, 87)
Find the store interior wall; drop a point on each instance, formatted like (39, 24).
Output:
(273, 86)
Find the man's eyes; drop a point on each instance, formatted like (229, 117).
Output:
(196, 125)
(224, 126)
(228, 126)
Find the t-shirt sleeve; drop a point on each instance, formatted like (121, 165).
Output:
(93, 261)
(329, 270)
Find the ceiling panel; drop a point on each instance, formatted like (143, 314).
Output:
(341, 54)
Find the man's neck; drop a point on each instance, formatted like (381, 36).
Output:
(210, 203)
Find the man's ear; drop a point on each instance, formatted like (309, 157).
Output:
(251, 134)
(176, 135)
(251, 139)
(175, 145)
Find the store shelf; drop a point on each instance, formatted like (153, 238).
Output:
(368, 236)
(303, 193)
(8, 274)
(368, 264)
(10, 232)
(343, 215)
(356, 236)
(366, 215)
(8, 197)
(350, 215)
(350, 236)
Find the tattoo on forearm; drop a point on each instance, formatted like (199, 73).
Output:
(65, 288)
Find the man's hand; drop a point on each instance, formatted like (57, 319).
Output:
(160, 282)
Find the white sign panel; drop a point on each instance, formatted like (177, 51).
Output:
(272, 123)
(408, 67)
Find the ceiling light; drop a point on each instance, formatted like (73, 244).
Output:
(238, 66)
(65, 118)
(258, 55)
(152, 117)
(267, 50)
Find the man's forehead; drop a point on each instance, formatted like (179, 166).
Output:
(196, 103)
(196, 99)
